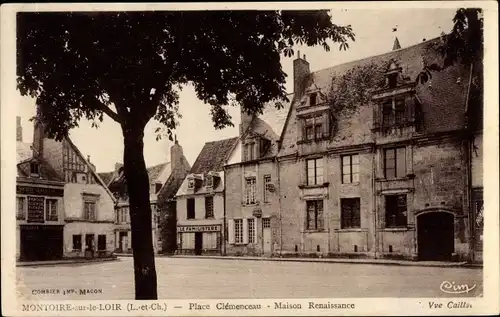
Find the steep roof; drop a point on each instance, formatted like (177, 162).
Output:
(23, 151)
(106, 177)
(443, 97)
(155, 171)
(214, 156)
(274, 117)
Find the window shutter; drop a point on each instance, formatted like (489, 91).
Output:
(230, 231)
(245, 231)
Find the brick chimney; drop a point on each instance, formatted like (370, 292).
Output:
(38, 136)
(300, 73)
(176, 154)
(246, 120)
(19, 130)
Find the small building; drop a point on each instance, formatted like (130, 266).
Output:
(59, 188)
(200, 201)
(162, 178)
(252, 193)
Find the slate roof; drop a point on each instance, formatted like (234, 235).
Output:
(442, 98)
(214, 156)
(106, 177)
(23, 151)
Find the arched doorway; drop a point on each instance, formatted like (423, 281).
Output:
(435, 236)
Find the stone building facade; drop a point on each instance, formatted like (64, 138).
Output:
(57, 183)
(200, 201)
(164, 180)
(391, 176)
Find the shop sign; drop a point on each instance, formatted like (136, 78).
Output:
(41, 191)
(207, 228)
(36, 209)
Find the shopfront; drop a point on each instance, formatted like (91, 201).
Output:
(199, 239)
(40, 221)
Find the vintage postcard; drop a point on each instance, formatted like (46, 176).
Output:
(233, 159)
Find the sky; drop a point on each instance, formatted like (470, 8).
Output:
(374, 35)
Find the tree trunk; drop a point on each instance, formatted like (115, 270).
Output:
(140, 213)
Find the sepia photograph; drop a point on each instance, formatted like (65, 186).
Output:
(251, 159)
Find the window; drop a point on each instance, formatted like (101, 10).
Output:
(350, 169)
(315, 171)
(34, 168)
(314, 215)
(51, 209)
(190, 208)
(238, 230)
(123, 215)
(101, 242)
(314, 128)
(395, 211)
(392, 80)
(157, 187)
(266, 223)
(395, 163)
(250, 151)
(250, 189)
(267, 184)
(312, 99)
(251, 231)
(393, 112)
(399, 111)
(77, 242)
(209, 207)
(350, 213)
(209, 181)
(190, 183)
(89, 212)
(21, 209)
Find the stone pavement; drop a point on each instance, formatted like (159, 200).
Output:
(328, 260)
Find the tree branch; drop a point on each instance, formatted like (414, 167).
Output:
(95, 103)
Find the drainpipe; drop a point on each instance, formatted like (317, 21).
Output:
(279, 204)
(224, 220)
(374, 203)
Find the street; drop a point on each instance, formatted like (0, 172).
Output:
(184, 278)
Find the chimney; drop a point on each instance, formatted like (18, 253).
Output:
(300, 73)
(396, 45)
(246, 120)
(176, 154)
(19, 130)
(92, 165)
(38, 135)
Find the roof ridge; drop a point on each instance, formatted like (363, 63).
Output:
(375, 56)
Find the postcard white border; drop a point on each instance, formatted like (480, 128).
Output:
(489, 304)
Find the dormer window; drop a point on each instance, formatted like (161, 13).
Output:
(392, 80)
(314, 128)
(34, 169)
(191, 183)
(312, 99)
(393, 112)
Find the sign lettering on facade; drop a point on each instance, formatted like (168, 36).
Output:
(42, 191)
(36, 209)
(207, 228)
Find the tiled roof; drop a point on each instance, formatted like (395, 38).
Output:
(23, 151)
(155, 171)
(214, 156)
(442, 98)
(46, 172)
(106, 177)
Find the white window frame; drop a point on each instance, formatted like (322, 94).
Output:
(51, 201)
(267, 182)
(86, 215)
(252, 231)
(250, 190)
(318, 176)
(238, 231)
